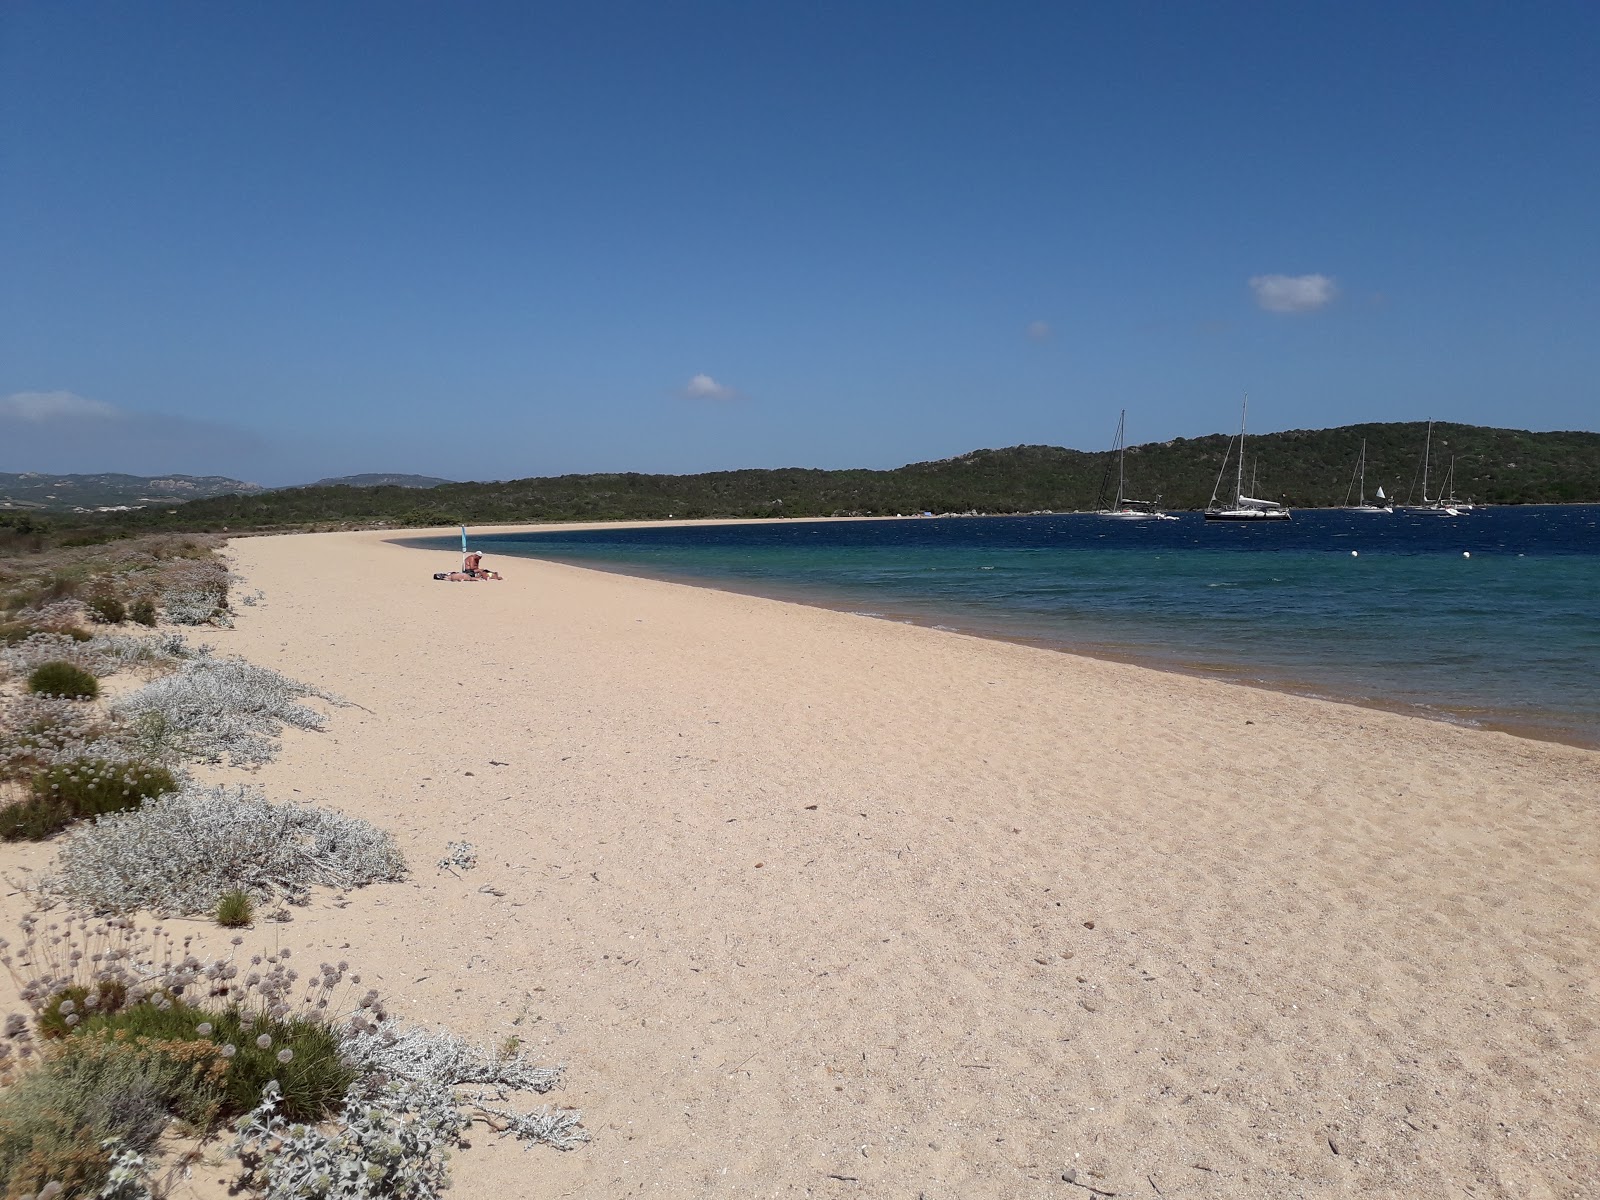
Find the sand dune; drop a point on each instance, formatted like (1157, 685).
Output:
(815, 904)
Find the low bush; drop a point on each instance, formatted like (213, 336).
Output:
(392, 1140)
(300, 1053)
(103, 653)
(85, 788)
(39, 732)
(219, 709)
(235, 910)
(63, 679)
(143, 611)
(138, 1032)
(12, 632)
(195, 592)
(106, 608)
(181, 853)
(63, 1121)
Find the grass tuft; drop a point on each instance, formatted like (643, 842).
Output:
(236, 909)
(63, 679)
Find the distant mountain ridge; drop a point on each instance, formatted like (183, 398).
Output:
(382, 480)
(111, 491)
(41, 491)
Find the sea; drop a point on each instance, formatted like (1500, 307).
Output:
(1488, 619)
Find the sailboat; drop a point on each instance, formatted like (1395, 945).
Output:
(1358, 484)
(1437, 506)
(1243, 508)
(1122, 507)
(1447, 493)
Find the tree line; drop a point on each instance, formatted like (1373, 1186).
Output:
(1302, 468)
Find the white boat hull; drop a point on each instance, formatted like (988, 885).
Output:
(1248, 514)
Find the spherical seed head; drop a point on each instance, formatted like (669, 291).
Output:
(285, 1055)
(203, 1029)
(229, 1051)
(264, 1042)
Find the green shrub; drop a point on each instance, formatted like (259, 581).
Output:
(55, 1119)
(32, 820)
(63, 679)
(235, 910)
(86, 787)
(313, 1080)
(106, 608)
(14, 632)
(143, 611)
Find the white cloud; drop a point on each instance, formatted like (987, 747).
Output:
(1293, 293)
(42, 407)
(703, 387)
(1039, 331)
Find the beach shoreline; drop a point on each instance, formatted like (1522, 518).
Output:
(1545, 727)
(815, 904)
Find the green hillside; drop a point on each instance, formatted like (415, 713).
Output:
(1303, 468)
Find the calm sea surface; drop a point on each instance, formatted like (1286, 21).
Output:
(1491, 618)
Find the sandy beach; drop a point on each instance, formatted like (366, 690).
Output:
(812, 904)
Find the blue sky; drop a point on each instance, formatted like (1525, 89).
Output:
(497, 240)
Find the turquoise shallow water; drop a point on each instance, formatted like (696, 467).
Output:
(1492, 618)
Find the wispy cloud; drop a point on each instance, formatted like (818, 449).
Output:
(703, 387)
(41, 408)
(1293, 293)
(1039, 331)
(65, 432)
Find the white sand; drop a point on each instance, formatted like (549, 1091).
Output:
(815, 904)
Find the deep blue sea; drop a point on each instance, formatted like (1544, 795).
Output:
(1490, 618)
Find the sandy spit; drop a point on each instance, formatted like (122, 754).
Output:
(812, 904)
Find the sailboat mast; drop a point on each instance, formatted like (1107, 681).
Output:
(1363, 467)
(1238, 481)
(1122, 420)
(1427, 449)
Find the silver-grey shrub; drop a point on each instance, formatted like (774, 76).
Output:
(180, 853)
(45, 731)
(216, 708)
(389, 1146)
(392, 1140)
(445, 1059)
(448, 1063)
(103, 654)
(194, 591)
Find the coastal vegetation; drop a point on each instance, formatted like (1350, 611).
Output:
(1301, 468)
(132, 1036)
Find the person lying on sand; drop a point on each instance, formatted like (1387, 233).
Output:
(468, 574)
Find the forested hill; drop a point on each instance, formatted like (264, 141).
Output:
(1303, 468)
